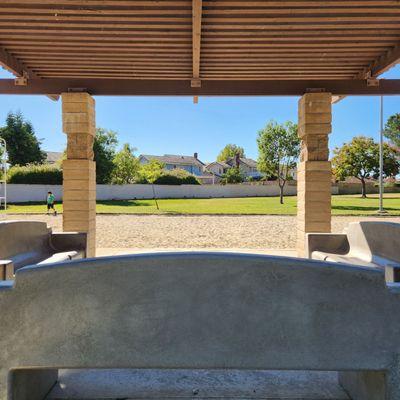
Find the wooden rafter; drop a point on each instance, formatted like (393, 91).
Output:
(389, 60)
(197, 9)
(13, 65)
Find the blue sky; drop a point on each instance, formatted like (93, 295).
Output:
(173, 125)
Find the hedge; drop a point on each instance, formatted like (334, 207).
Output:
(43, 174)
(176, 177)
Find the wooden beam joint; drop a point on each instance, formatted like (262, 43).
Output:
(195, 83)
(373, 82)
(22, 80)
(315, 90)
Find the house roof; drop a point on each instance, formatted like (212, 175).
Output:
(174, 159)
(221, 163)
(53, 156)
(248, 161)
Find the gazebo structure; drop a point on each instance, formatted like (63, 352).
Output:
(319, 50)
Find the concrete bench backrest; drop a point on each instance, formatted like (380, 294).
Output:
(23, 237)
(371, 239)
(199, 310)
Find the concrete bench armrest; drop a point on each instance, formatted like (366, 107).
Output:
(67, 241)
(392, 273)
(6, 270)
(327, 242)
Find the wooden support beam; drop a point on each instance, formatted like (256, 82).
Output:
(196, 36)
(140, 87)
(20, 70)
(197, 9)
(13, 65)
(336, 99)
(389, 60)
(382, 64)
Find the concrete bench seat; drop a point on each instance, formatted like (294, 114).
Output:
(210, 311)
(372, 244)
(32, 242)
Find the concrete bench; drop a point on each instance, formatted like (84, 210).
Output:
(372, 244)
(31, 242)
(200, 311)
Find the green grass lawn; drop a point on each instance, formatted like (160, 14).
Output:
(341, 205)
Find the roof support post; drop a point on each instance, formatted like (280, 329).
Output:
(79, 169)
(314, 170)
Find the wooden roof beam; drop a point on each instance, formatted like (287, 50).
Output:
(17, 68)
(197, 10)
(389, 60)
(13, 65)
(382, 64)
(139, 87)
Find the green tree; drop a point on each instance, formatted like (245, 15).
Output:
(126, 166)
(233, 175)
(360, 159)
(104, 148)
(23, 147)
(150, 172)
(230, 150)
(278, 151)
(392, 129)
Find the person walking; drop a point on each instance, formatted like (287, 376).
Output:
(50, 203)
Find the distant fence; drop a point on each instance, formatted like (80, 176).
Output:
(26, 193)
(371, 188)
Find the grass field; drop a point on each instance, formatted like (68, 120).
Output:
(341, 205)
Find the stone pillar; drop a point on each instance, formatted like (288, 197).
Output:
(79, 169)
(314, 170)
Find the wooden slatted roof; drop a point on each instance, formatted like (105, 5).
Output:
(199, 41)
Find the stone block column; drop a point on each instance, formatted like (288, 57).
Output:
(79, 169)
(314, 170)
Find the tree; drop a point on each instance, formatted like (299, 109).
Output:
(126, 166)
(278, 151)
(360, 159)
(23, 147)
(233, 175)
(230, 150)
(150, 172)
(104, 148)
(392, 129)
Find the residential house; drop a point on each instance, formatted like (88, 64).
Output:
(218, 168)
(191, 164)
(247, 166)
(52, 157)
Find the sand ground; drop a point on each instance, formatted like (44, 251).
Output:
(191, 232)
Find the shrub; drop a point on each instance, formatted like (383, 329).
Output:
(35, 174)
(176, 177)
(232, 175)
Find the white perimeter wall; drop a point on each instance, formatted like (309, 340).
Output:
(26, 193)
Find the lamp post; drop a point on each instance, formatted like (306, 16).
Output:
(3, 170)
(381, 210)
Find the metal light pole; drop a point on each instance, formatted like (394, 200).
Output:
(3, 170)
(381, 210)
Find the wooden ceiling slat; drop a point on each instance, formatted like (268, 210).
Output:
(226, 27)
(242, 38)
